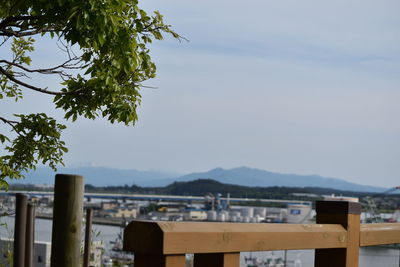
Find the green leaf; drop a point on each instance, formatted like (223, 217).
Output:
(110, 39)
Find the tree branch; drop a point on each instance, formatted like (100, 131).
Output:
(7, 121)
(53, 70)
(37, 89)
(5, 22)
(8, 25)
(41, 90)
(12, 124)
(9, 32)
(5, 39)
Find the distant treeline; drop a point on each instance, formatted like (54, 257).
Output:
(201, 187)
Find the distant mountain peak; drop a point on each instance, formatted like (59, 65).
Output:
(249, 169)
(218, 169)
(245, 176)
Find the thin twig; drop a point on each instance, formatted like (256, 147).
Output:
(7, 121)
(5, 39)
(12, 124)
(53, 70)
(41, 90)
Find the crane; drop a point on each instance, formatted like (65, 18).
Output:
(372, 210)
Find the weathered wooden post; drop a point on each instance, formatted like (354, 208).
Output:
(348, 215)
(217, 260)
(67, 221)
(30, 235)
(147, 246)
(157, 260)
(88, 237)
(20, 230)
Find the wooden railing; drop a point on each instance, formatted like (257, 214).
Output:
(336, 238)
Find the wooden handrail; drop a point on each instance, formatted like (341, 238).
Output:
(379, 234)
(336, 239)
(194, 237)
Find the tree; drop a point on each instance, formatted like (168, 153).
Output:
(105, 43)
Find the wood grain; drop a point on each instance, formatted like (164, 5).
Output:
(157, 260)
(350, 220)
(190, 237)
(217, 260)
(379, 234)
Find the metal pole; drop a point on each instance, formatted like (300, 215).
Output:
(67, 221)
(19, 230)
(88, 237)
(30, 235)
(285, 259)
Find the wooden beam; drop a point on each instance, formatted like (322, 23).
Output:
(157, 260)
(192, 237)
(348, 215)
(379, 234)
(217, 260)
(175, 260)
(236, 237)
(143, 237)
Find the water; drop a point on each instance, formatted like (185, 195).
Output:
(369, 257)
(43, 231)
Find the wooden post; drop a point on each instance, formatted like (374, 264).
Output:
(217, 260)
(348, 215)
(154, 260)
(30, 236)
(88, 237)
(20, 230)
(67, 221)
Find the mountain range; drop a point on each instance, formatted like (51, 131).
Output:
(101, 176)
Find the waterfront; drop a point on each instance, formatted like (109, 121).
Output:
(43, 231)
(369, 257)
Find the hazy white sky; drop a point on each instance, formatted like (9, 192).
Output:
(306, 87)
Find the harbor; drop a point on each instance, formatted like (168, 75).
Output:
(369, 257)
(114, 212)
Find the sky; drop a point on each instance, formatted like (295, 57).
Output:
(305, 87)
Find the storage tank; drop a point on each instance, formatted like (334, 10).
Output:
(396, 216)
(246, 219)
(298, 213)
(262, 212)
(235, 213)
(221, 217)
(248, 212)
(226, 215)
(211, 215)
